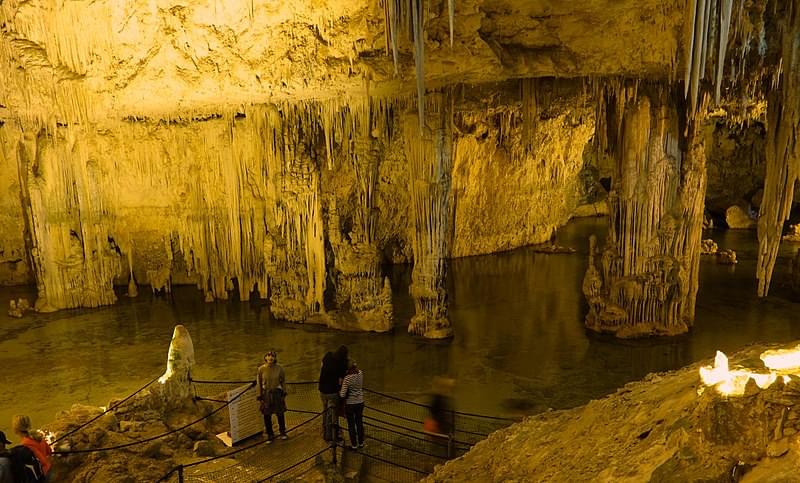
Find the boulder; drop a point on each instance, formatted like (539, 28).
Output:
(708, 247)
(738, 218)
(727, 257)
(793, 234)
(204, 448)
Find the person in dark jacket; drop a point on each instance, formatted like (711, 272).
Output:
(334, 367)
(5, 460)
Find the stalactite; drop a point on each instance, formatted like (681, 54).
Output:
(73, 260)
(710, 21)
(530, 111)
(419, 57)
(725, 26)
(782, 148)
(395, 32)
(698, 42)
(451, 13)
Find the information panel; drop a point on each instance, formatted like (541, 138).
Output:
(246, 418)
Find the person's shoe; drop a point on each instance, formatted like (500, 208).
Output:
(283, 436)
(353, 447)
(269, 441)
(361, 445)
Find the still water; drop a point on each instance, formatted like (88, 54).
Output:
(520, 346)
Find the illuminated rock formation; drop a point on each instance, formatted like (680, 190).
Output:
(208, 144)
(782, 146)
(175, 387)
(647, 277)
(430, 156)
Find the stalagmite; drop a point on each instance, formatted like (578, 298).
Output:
(175, 385)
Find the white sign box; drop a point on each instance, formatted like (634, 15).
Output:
(246, 418)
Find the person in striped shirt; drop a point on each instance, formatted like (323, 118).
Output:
(353, 394)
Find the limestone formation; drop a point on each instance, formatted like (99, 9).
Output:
(175, 384)
(782, 148)
(265, 149)
(727, 257)
(17, 308)
(430, 157)
(647, 280)
(793, 233)
(709, 247)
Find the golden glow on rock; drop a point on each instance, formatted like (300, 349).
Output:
(782, 359)
(733, 382)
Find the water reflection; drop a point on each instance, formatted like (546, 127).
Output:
(520, 346)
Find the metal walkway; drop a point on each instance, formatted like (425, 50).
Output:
(397, 448)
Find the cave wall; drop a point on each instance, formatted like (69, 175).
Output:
(735, 164)
(14, 261)
(294, 201)
(511, 189)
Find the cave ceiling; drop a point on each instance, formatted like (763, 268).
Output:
(77, 61)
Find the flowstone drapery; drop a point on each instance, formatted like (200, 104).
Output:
(73, 256)
(645, 280)
(429, 150)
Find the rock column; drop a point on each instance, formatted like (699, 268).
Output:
(645, 280)
(429, 149)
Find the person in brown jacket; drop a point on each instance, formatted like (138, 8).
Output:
(271, 383)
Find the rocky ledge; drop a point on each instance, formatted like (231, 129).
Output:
(667, 427)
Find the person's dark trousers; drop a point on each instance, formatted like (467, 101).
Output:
(330, 420)
(355, 423)
(268, 424)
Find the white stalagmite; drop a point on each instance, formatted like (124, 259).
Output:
(175, 385)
